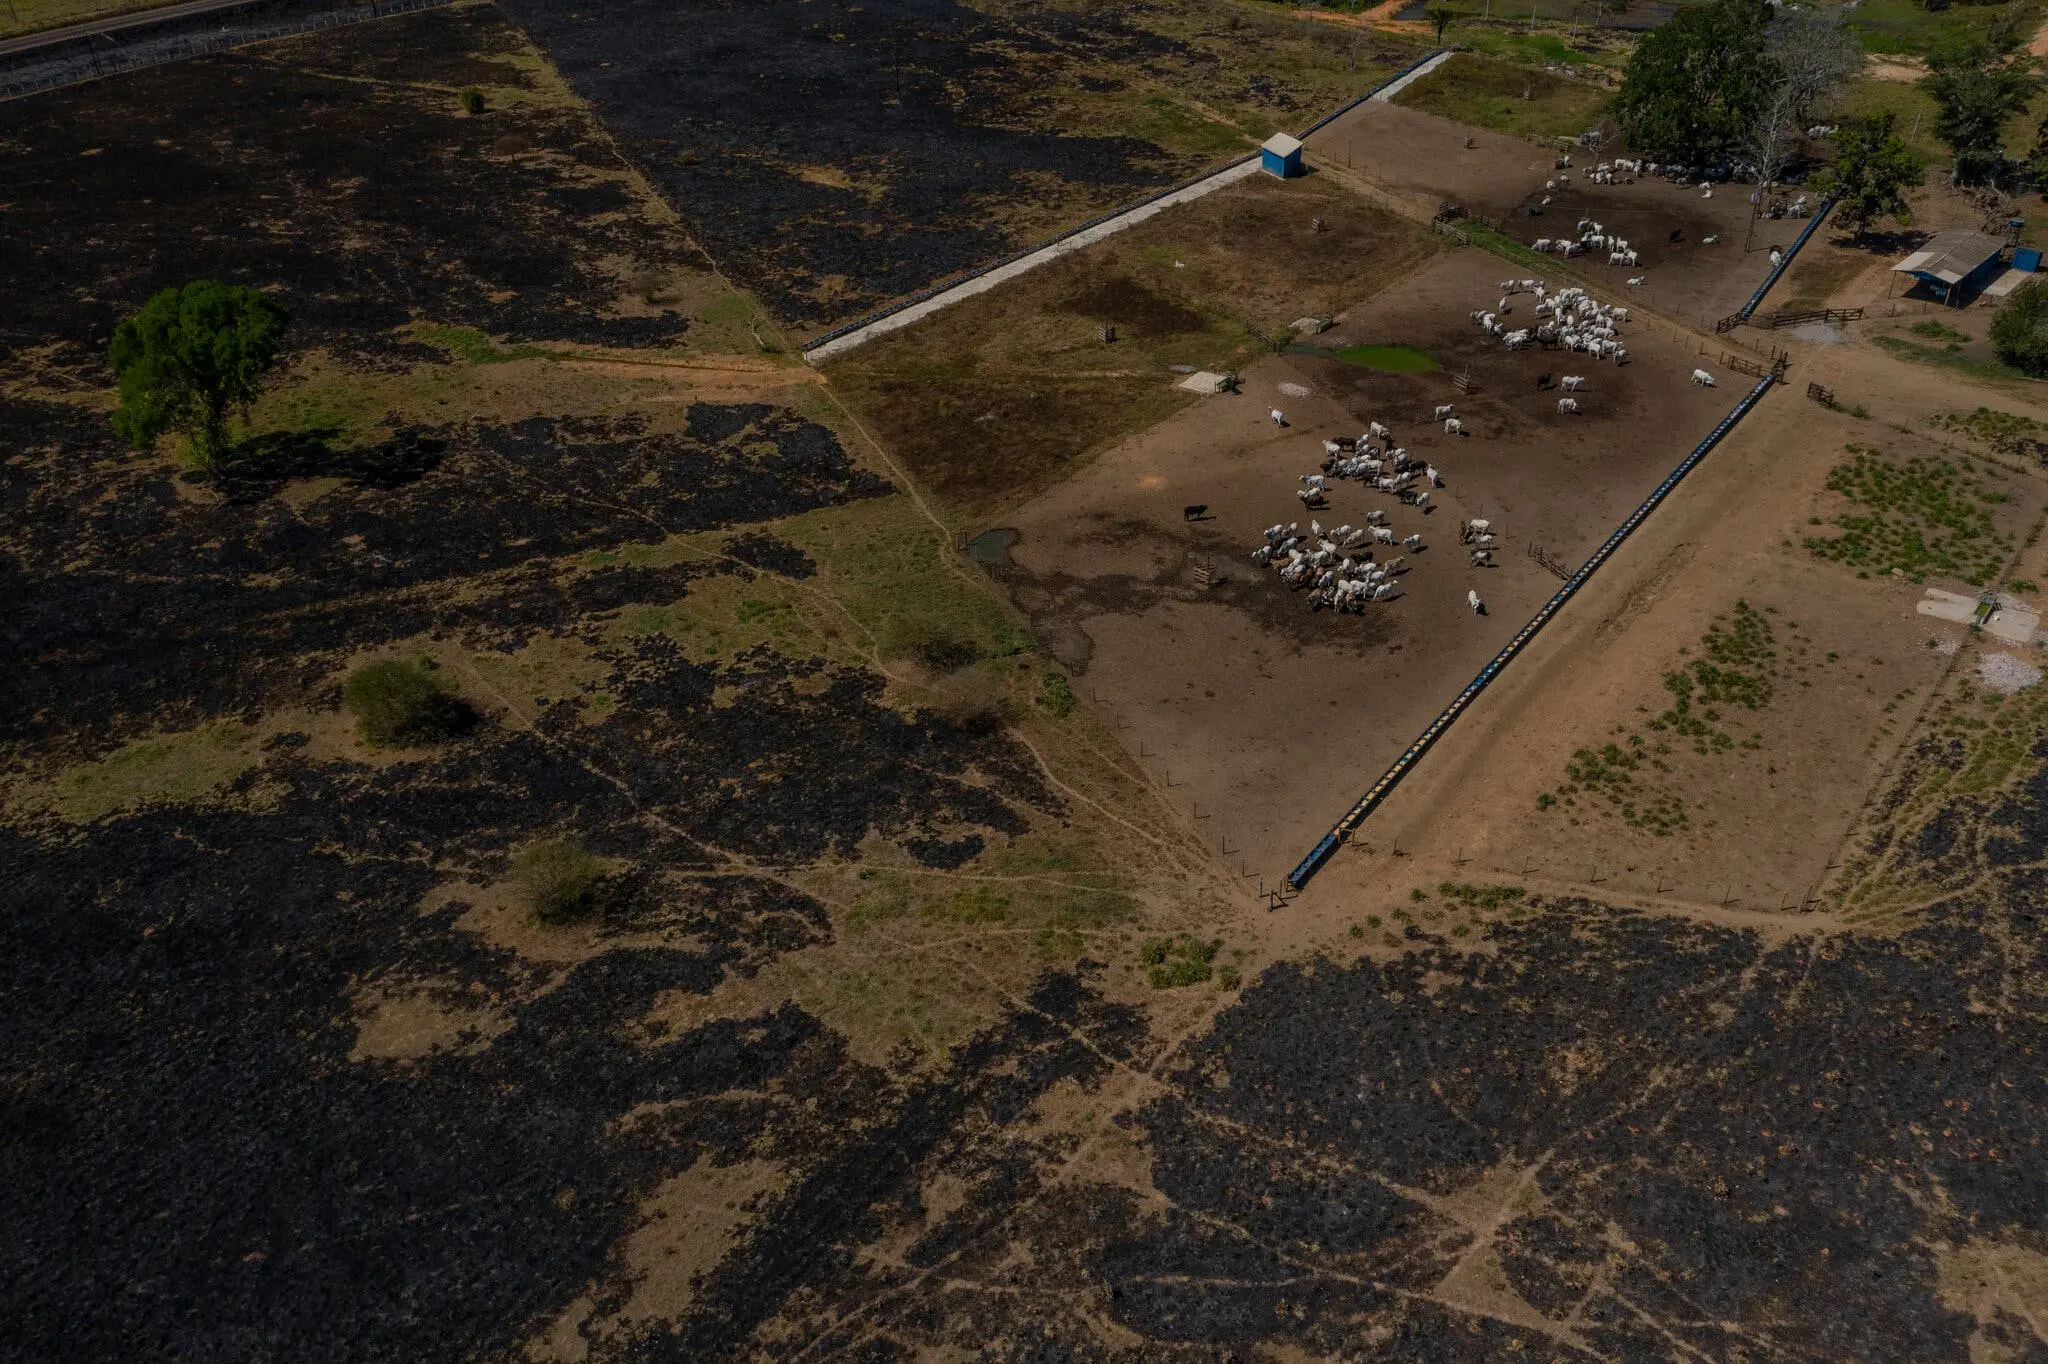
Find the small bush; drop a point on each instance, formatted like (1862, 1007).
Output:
(1481, 897)
(974, 701)
(1179, 961)
(402, 704)
(934, 645)
(1056, 696)
(473, 102)
(559, 878)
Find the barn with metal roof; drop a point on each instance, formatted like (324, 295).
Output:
(1956, 264)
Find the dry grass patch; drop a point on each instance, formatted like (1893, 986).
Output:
(1001, 395)
(1520, 101)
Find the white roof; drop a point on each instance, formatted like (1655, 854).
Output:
(1952, 255)
(2007, 282)
(1280, 144)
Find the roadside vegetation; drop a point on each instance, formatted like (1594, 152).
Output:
(1915, 516)
(2008, 433)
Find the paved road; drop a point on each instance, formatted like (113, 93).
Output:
(29, 42)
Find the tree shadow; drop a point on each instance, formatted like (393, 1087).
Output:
(263, 464)
(1899, 243)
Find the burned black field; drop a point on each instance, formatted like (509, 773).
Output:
(291, 1070)
(833, 156)
(193, 1164)
(339, 169)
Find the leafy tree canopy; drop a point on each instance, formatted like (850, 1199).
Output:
(2019, 330)
(188, 358)
(1872, 171)
(1696, 83)
(1980, 79)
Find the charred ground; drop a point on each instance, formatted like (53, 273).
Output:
(833, 157)
(340, 169)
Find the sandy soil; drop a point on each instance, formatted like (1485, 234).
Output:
(1469, 812)
(1266, 719)
(1422, 161)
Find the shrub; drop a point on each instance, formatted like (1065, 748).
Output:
(935, 645)
(473, 101)
(1179, 961)
(559, 878)
(1056, 696)
(402, 704)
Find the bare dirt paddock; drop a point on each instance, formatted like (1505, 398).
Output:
(1426, 160)
(1266, 718)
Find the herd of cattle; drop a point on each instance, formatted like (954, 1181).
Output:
(1340, 567)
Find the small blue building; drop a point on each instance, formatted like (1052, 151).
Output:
(1281, 155)
(1955, 266)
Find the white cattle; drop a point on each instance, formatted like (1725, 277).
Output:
(1443, 410)
(1452, 426)
(1279, 417)
(1702, 378)
(1472, 600)
(1567, 405)
(1572, 383)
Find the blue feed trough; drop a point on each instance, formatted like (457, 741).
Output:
(1281, 156)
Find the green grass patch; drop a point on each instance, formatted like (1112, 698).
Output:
(1936, 331)
(1484, 898)
(1521, 101)
(1920, 515)
(1950, 358)
(471, 346)
(1171, 963)
(1507, 248)
(170, 769)
(1392, 359)
(1907, 27)
(1056, 695)
(1634, 776)
(2006, 432)
(883, 562)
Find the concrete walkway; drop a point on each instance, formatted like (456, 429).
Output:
(981, 284)
(56, 37)
(1385, 94)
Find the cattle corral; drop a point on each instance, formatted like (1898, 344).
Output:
(1267, 716)
(1427, 161)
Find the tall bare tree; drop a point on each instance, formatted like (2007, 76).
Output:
(1815, 54)
(1767, 141)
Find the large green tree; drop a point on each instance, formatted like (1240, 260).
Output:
(2019, 329)
(188, 359)
(1695, 84)
(1872, 170)
(1980, 79)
